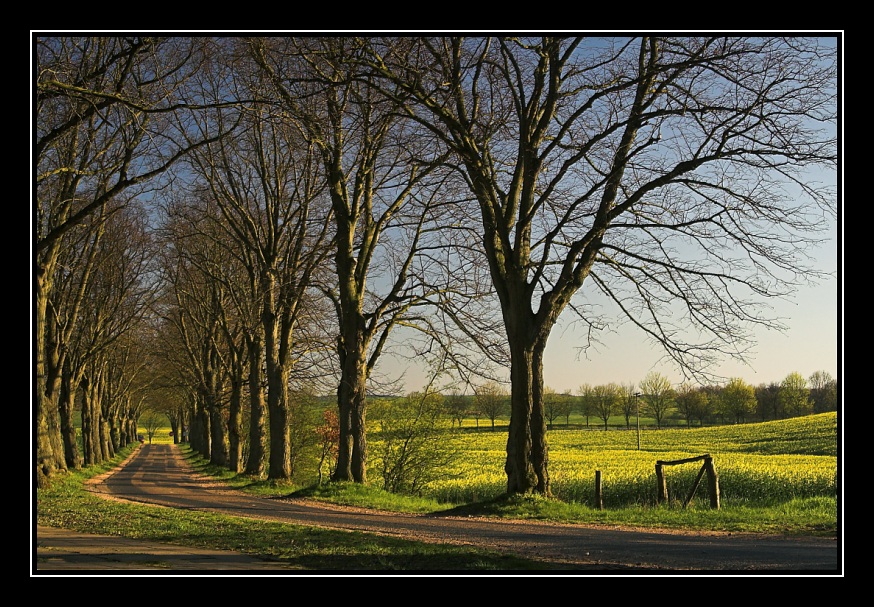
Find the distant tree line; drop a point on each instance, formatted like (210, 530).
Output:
(656, 398)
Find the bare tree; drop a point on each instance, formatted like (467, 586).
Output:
(268, 186)
(587, 401)
(605, 399)
(490, 399)
(658, 394)
(823, 391)
(378, 170)
(566, 406)
(199, 299)
(671, 174)
(628, 403)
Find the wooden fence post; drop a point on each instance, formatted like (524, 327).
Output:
(599, 499)
(661, 484)
(712, 483)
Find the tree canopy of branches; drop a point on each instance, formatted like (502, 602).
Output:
(378, 168)
(670, 174)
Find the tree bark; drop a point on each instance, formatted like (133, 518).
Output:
(49, 447)
(235, 424)
(352, 397)
(279, 467)
(66, 412)
(218, 452)
(256, 462)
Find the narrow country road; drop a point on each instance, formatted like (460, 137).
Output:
(158, 474)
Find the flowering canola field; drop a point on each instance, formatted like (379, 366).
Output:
(757, 464)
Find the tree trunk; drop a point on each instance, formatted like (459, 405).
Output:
(200, 429)
(235, 424)
(87, 424)
(527, 464)
(359, 433)
(343, 471)
(49, 447)
(540, 447)
(91, 415)
(66, 411)
(218, 452)
(256, 462)
(279, 467)
(352, 407)
(519, 467)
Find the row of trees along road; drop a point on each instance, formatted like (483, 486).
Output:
(223, 223)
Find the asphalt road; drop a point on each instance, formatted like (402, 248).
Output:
(157, 474)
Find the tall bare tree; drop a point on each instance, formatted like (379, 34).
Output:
(269, 187)
(379, 172)
(823, 391)
(673, 175)
(196, 308)
(606, 399)
(658, 396)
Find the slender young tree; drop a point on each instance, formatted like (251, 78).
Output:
(628, 403)
(658, 394)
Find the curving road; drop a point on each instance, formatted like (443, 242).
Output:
(158, 474)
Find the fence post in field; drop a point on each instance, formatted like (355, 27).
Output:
(599, 498)
(661, 484)
(712, 483)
